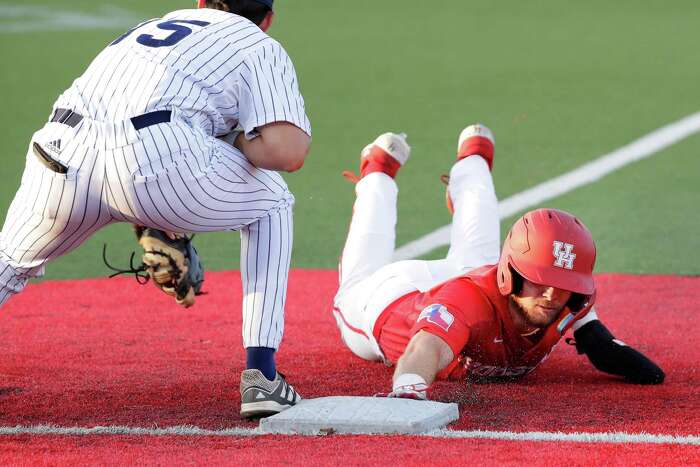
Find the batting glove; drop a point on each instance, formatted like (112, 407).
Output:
(408, 386)
(416, 392)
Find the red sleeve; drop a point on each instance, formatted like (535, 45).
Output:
(450, 310)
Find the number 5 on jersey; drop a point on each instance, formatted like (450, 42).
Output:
(179, 32)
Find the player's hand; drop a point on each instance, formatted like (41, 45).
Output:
(411, 391)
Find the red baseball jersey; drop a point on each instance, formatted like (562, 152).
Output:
(471, 316)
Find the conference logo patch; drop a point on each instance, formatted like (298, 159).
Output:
(438, 315)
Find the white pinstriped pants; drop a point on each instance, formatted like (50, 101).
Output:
(369, 282)
(169, 176)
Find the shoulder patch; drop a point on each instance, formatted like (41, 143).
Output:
(438, 315)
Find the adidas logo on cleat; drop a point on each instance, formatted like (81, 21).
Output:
(261, 397)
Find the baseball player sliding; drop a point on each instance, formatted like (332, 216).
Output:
(474, 314)
(134, 139)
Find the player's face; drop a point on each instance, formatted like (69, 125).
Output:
(540, 304)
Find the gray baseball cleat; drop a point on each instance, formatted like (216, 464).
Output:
(261, 397)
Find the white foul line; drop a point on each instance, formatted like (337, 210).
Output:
(179, 430)
(186, 430)
(597, 437)
(588, 173)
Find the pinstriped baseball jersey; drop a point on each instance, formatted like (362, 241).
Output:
(134, 139)
(219, 69)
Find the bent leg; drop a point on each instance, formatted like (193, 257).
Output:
(11, 281)
(50, 215)
(368, 251)
(185, 181)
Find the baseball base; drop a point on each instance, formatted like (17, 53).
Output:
(361, 415)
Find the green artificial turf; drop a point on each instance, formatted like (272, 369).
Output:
(560, 83)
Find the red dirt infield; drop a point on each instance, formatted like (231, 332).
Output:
(109, 352)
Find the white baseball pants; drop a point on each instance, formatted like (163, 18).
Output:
(170, 176)
(369, 282)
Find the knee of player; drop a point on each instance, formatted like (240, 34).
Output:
(14, 279)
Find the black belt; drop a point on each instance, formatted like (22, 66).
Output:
(70, 118)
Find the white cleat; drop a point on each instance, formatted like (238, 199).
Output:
(474, 140)
(476, 129)
(394, 144)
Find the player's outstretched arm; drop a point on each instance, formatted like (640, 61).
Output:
(613, 356)
(425, 355)
(280, 146)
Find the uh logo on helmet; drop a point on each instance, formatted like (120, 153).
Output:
(550, 247)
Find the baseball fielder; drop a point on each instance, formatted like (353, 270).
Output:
(474, 314)
(134, 139)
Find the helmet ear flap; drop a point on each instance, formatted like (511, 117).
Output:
(516, 281)
(504, 277)
(509, 280)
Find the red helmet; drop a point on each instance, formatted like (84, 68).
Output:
(549, 247)
(201, 3)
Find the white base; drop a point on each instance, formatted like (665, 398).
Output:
(361, 415)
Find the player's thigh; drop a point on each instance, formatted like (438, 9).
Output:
(361, 303)
(188, 182)
(356, 339)
(51, 214)
(416, 274)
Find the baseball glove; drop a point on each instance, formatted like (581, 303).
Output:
(170, 260)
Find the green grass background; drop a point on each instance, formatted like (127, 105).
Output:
(559, 82)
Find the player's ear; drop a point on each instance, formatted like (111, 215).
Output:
(267, 21)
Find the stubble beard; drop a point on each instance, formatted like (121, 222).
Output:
(538, 321)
